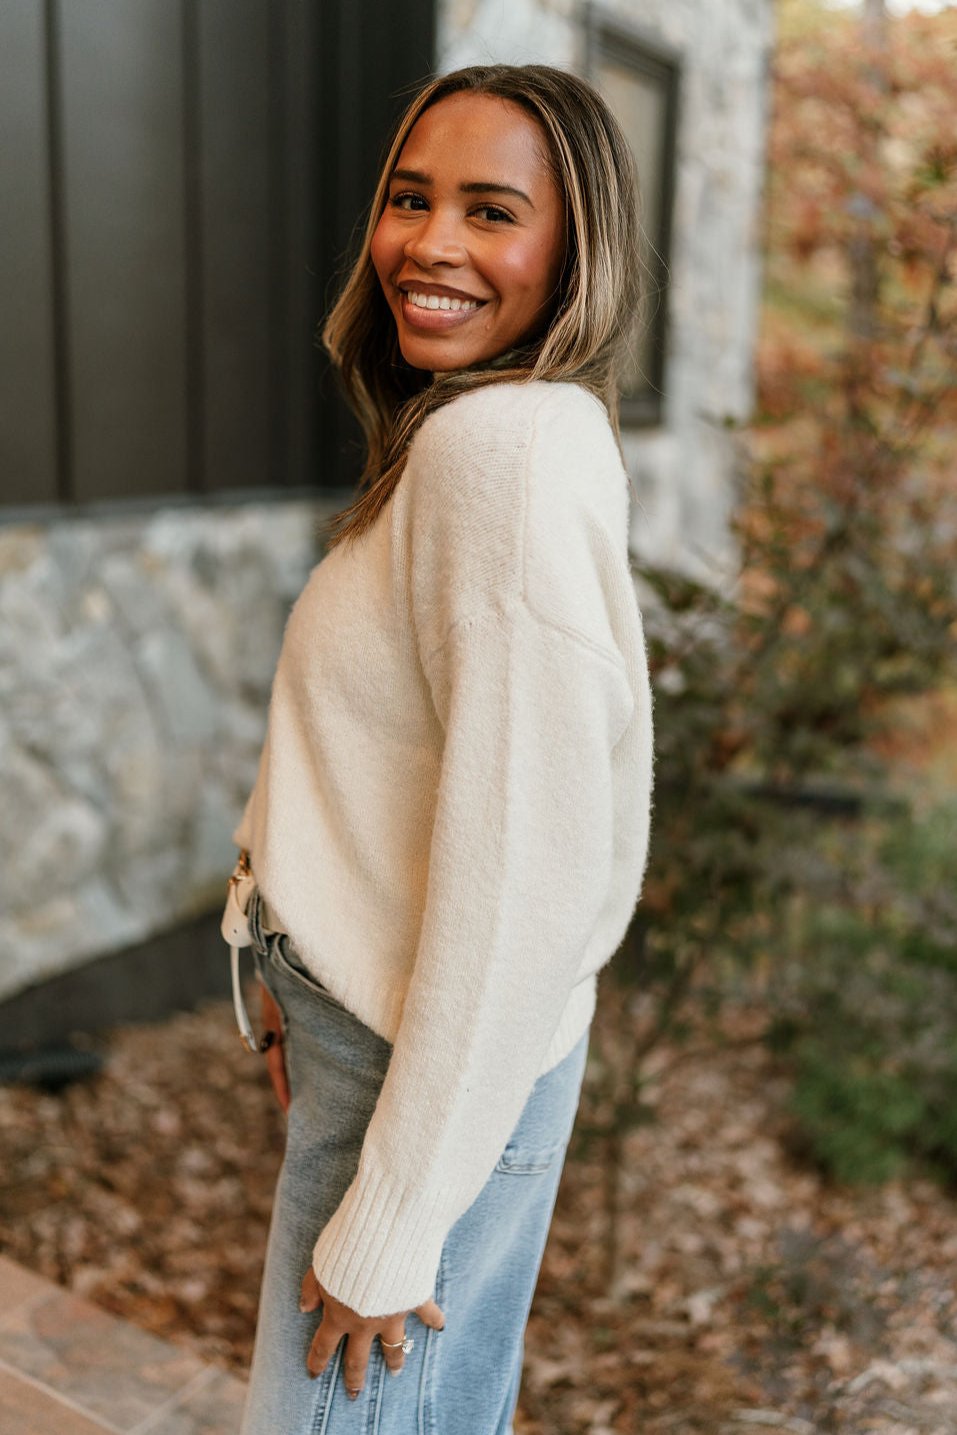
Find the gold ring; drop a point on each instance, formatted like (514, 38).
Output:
(406, 1344)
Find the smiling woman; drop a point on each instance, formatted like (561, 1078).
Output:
(470, 265)
(449, 828)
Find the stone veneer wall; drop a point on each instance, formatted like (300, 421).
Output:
(136, 657)
(684, 471)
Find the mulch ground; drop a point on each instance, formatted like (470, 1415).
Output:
(734, 1292)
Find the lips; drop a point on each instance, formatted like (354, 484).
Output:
(439, 291)
(434, 308)
(453, 304)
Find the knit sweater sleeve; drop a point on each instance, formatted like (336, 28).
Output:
(520, 863)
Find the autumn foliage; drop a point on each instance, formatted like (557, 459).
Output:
(850, 534)
(785, 833)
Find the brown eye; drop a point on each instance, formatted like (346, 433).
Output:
(493, 214)
(408, 201)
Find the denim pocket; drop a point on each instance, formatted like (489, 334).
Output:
(540, 1137)
(526, 1158)
(267, 979)
(285, 960)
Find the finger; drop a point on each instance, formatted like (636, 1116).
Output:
(356, 1362)
(390, 1339)
(275, 1056)
(276, 1066)
(310, 1296)
(429, 1314)
(269, 1008)
(324, 1345)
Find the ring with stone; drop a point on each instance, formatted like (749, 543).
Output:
(406, 1344)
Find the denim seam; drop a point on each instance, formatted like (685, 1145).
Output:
(426, 1419)
(263, 969)
(377, 1361)
(324, 1409)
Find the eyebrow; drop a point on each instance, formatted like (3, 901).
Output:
(475, 186)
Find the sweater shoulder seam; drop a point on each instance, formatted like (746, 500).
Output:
(543, 398)
(521, 604)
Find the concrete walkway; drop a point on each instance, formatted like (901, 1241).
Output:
(68, 1368)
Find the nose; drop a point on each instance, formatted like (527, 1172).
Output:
(436, 241)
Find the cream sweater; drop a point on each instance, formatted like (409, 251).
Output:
(452, 809)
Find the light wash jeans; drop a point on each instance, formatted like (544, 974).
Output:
(463, 1380)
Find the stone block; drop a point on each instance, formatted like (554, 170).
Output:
(55, 839)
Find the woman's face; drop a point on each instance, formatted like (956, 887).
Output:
(470, 244)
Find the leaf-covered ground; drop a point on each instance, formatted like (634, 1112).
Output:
(734, 1292)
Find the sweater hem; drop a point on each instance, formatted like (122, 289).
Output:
(575, 1020)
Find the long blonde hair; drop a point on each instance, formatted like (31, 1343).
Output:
(595, 304)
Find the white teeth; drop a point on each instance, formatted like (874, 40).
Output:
(440, 301)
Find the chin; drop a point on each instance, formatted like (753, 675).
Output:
(434, 358)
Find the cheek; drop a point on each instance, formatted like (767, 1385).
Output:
(382, 251)
(526, 273)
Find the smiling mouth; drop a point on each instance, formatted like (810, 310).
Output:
(437, 312)
(440, 301)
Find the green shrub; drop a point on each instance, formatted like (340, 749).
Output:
(865, 1008)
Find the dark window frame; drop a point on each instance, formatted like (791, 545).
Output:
(610, 38)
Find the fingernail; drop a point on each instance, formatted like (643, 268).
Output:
(394, 1371)
(304, 1307)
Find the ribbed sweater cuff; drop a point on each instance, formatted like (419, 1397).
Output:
(380, 1252)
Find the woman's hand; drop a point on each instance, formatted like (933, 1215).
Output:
(275, 1059)
(360, 1331)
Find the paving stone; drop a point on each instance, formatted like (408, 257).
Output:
(27, 1410)
(212, 1407)
(109, 1368)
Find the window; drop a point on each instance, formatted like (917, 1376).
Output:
(639, 79)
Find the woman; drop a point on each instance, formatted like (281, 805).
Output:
(449, 827)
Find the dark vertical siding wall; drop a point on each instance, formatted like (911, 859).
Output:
(381, 53)
(28, 424)
(181, 182)
(295, 364)
(121, 81)
(231, 196)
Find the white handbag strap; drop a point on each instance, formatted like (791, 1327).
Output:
(235, 929)
(246, 1032)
